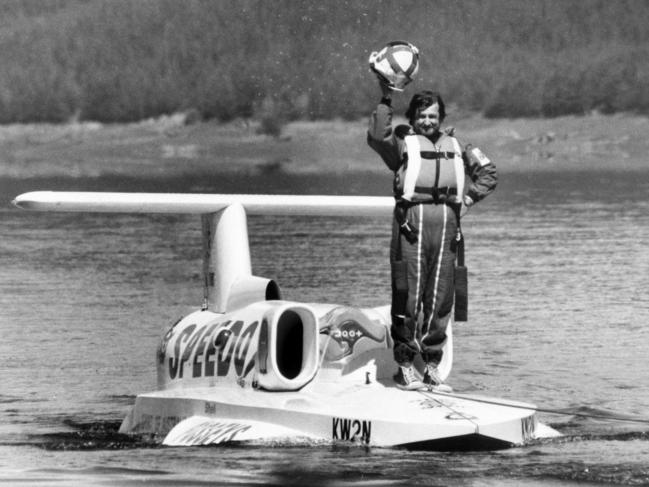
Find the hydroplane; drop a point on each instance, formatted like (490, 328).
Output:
(249, 367)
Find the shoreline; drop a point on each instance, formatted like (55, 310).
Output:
(167, 147)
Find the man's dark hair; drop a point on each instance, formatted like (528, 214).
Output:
(423, 100)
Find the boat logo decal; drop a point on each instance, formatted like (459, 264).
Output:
(355, 430)
(429, 404)
(346, 331)
(209, 350)
(163, 345)
(211, 433)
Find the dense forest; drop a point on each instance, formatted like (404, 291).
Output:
(126, 60)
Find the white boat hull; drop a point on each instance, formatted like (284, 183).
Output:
(373, 414)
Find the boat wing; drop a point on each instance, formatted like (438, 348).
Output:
(254, 204)
(203, 430)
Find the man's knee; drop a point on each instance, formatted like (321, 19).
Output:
(403, 353)
(434, 339)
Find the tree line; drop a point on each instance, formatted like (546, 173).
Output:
(281, 60)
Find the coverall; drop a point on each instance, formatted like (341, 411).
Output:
(422, 270)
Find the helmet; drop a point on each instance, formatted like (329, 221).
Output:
(396, 64)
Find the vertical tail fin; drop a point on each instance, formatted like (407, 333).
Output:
(228, 282)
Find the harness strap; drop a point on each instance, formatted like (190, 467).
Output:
(444, 190)
(413, 167)
(459, 168)
(434, 155)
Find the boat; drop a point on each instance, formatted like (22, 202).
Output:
(249, 367)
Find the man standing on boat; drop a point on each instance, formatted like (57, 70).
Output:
(429, 168)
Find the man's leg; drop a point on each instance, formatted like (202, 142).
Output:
(402, 311)
(439, 289)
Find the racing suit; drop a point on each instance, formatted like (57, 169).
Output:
(425, 228)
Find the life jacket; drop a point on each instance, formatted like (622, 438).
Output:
(430, 172)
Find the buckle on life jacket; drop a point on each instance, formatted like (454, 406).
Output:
(439, 195)
(437, 154)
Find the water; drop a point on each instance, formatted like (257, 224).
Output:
(559, 308)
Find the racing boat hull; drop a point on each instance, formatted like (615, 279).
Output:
(373, 414)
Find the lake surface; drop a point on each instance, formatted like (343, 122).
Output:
(558, 316)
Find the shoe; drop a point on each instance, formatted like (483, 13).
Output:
(431, 376)
(433, 381)
(407, 380)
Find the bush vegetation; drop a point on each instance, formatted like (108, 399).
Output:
(278, 60)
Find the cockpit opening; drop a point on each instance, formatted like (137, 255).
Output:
(290, 344)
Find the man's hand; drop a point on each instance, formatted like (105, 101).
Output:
(467, 202)
(386, 91)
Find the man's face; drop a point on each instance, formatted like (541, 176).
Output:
(427, 120)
